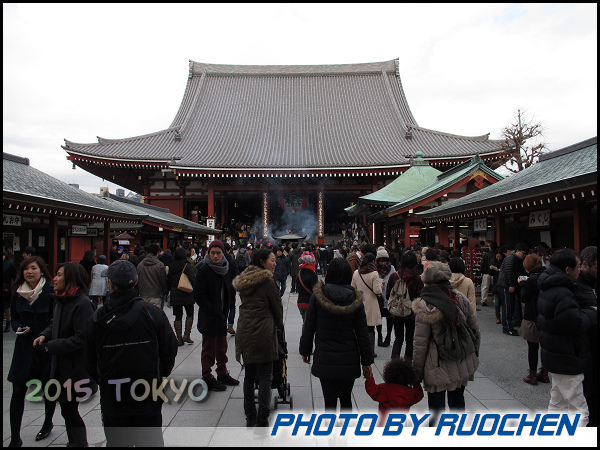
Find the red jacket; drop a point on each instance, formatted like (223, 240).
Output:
(392, 397)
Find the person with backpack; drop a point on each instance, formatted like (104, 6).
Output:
(128, 338)
(446, 341)
(242, 258)
(403, 287)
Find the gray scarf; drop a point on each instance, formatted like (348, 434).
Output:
(221, 268)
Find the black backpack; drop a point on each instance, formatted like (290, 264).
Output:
(240, 259)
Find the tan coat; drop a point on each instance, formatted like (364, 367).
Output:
(440, 375)
(369, 298)
(465, 285)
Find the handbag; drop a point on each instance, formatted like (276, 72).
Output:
(184, 282)
(379, 296)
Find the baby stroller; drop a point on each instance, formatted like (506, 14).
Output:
(280, 381)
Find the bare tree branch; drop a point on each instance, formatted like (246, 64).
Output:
(516, 154)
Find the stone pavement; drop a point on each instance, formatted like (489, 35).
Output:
(208, 422)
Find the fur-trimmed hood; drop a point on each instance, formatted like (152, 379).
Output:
(427, 313)
(251, 279)
(338, 299)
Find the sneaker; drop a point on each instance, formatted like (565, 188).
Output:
(215, 385)
(230, 329)
(226, 379)
(511, 332)
(483, 303)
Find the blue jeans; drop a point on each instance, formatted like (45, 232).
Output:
(281, 284)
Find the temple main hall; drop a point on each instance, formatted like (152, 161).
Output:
(279, 148)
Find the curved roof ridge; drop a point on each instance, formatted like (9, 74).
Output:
(372, 67)
(103, 141)
(483, 137)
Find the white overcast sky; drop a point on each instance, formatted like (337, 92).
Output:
(80, 71)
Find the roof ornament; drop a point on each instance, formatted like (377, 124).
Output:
(408, 134)
(191, 69)
(397, 62)
(177, 136)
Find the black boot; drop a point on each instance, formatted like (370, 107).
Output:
(379, 336)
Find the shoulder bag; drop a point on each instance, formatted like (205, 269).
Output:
(379, 296)
(184, 282)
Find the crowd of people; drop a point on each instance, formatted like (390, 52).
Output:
(105, 318)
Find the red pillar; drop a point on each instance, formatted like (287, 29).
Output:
(211, 201)
(442, 230)
(53, 244)
(165, 241)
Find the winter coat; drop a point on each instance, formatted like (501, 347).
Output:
(465, 285)
(179, 297)
(530, 292)
(212, 294)
(99, 284)
(283, 268)
(336, 320)
(128, 338)
(65, 338)
(510, 271)
(384, 284)
(260, 312)
(371, 280)
(585, 293)
(439, 374)
(309, 278)
(392, 397)
(37, 317)
(294, 263)
(88, 265)
(563, 324)
(152, 277)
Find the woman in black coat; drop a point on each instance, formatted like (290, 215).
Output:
(529, 329)
(336, 320)
(64, 341)
(31, 310)
(180, 299)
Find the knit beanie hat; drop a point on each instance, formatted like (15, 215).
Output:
(216, 243)
(306, 258)
(382, 254)
(436, 272)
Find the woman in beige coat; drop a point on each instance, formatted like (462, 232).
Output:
(366, 280)
(441, 304)
(462, 283)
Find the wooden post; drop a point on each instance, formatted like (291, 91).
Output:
(53, 244)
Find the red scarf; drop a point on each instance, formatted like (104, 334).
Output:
(310, 266)
(70, 293)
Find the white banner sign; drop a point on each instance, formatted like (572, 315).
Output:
(539, 219)
(479, 225)
(210, 223)
(10, 220)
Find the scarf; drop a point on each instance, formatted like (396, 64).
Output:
(441, 296)
(221, 268)
(383, 271)
(309, 266)
(370, 267)
(65, 294)
(31, 295)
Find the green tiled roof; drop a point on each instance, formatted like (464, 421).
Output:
(443, 181)
(573, 166)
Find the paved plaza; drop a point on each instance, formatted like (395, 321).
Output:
(497, 387)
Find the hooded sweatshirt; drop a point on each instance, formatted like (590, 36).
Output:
(128, 338)
(465, 285)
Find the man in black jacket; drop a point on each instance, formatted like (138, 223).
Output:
(486, 279)
(212, 293)
(510, 271)
(564, 340)
(585, 293)
(129, 340)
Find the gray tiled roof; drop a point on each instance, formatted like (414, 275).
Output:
(161, 216)
(25, 183)
(576, 165)
(290, 117)
(21, 181)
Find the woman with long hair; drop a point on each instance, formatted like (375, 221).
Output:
(99, 283)
(88, 261)
(31, 307)
(366, 280)
(337, 323)
(64, 341)
(256, 344)
(179, 299)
